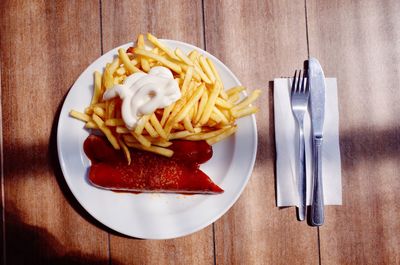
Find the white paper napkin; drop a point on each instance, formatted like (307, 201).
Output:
(286, 139)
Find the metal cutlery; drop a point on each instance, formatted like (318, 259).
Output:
(299, 102)
(316, 79)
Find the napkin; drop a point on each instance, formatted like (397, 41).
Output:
(286, 138)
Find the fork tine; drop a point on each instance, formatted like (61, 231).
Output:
(305, 79)
(294, 82)
(303, 89)
(298, 89)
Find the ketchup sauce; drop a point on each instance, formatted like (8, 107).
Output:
(150, 172)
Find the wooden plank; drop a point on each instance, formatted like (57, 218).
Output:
(2, 254)
(260, 40)
(179, 20)
(359, 43)
(44, 47)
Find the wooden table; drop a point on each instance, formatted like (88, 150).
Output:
(44, 47)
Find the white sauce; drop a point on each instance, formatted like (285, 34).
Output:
(143, 93)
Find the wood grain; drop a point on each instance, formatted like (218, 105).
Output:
(2, 254)
(179, 20)
(359, 43)
(44, 47)
(260, 40)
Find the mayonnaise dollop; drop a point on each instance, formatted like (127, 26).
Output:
(143, 93)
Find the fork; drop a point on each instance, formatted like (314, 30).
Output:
(299, 102)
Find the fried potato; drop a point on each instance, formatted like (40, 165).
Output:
(143, 61)
(127, 63)
(223, 103)
(210, 103)
(218, 78)
(149, 128)
(205, 110)
(97, 88)
(154, 149)
(158, 44)
(234, 98)
(114, 65)
(119, 79)
(79, 115)
(107, 132)
(114, 122)
(121, 130)
(222, 136)
(206, 68)
(183, 57)
(161, 143)
(222, 117)
(244, 112)
(206, 135)
(235, 90)
(185, 110)
(108, 79)
(166, 62)
(125, 150)
(120, 71)
(110, 109)
(247, 101)
(202, 105)
(142, 123)
(91, 125)
(166, 113)
(188, 124)
(182, 134)
(141, 139)
(157, 126)
(99, 111)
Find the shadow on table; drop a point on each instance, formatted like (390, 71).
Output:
(28, 244)
(53, 154)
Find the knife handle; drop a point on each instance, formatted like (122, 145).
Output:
(317, 203)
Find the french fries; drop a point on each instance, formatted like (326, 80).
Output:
(97, 88)
(79, 115)
(163, 60)
(125, 150)
(106, 130)
(210, 104)
(158, 44)
(144, 62)
(127, 63)
(205, 111)
(222, 136)
(247, 101)
(154, 149)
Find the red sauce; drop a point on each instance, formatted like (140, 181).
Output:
(150, 172)
(196, 152)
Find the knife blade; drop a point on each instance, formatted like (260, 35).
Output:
(317, 87)
(317, 94)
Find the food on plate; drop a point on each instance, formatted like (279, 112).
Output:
(143, 93)
(152, 99)
(150, 172)
(150, 95)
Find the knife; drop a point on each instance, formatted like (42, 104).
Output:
(317, 99)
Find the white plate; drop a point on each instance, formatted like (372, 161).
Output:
(155, 216)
